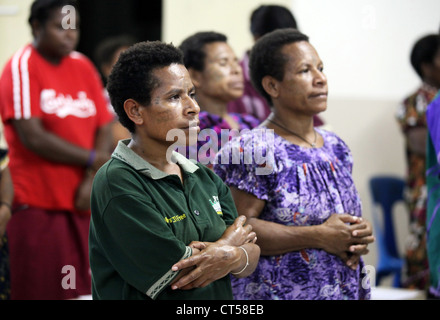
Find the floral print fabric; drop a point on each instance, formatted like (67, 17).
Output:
(305, 188)
(207, 148)
(412, 114)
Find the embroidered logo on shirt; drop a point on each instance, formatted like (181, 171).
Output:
(64, 105)
(215, 203)
(175, 218)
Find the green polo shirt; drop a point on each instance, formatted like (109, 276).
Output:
(143, 221)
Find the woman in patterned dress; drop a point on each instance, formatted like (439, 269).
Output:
(306, 211)
(411, 118)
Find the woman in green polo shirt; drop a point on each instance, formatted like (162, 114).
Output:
(162, 227)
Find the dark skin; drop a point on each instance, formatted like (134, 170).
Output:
(212, 261)
(300, 95)
(343, 235)
(173, 106)
(53, 43)
(416, 137)
(6, 196)
(220, 82)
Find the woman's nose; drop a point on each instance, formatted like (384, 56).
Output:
(236, 67)
(320, 78)
(192, 106)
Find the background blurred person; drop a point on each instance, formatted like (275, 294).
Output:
(264, 19)
(411, 117)
(307, 211)
(106, 54)
(433, 184)
(57, 128)
(218, 78)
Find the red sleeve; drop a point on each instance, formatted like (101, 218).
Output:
(103, 114)
(19, 88)
(6, 103)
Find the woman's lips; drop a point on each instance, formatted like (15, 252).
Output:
(193, 125)
(320, 95)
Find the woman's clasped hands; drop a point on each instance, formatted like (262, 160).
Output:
(211, 261)
(347, 237)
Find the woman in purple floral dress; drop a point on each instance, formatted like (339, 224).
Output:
(218, 78)
(304, 205)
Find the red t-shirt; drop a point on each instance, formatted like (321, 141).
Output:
(68, 99)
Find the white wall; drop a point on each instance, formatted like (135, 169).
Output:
(181, 18)
(365, 46)
(14, 29)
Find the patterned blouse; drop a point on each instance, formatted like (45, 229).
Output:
(305, 188)
(211, 126)
(412, 114)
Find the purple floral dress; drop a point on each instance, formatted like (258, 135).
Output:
(305, 187)
(206, 147)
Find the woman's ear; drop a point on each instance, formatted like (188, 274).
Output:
(36, 29)
(132, 109)
(428, 71)
(270, 85)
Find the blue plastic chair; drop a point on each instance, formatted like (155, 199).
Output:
(386, 191)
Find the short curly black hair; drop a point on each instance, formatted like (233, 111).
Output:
(106, 49)
(193, 48)
(267, 18)
(424, 51)
(266, 58)
(41, 9)
(132, 75)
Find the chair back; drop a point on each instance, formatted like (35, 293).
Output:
(386, 191)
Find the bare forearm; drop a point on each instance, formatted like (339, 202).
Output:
(6, 197)
(248, 261)
(336, 235)
(54, 148)
(48, 145)
(275, 239)
(235, 252)
(6, 187)
(103, 141)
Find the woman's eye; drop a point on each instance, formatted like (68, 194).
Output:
(223, 62)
